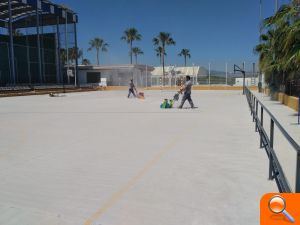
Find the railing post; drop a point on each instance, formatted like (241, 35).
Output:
(297, 190)
(262, 124)
(253, 109)
(251, 103)
(271, 149)
(256, 114)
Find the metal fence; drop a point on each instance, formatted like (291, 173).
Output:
(230, 80)
(292, 88)
(287, 179)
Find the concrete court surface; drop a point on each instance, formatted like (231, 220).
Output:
(100, 158)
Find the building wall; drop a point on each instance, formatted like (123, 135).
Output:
(119, 76)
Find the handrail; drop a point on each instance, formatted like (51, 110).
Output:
(275, 170)
(295, 145)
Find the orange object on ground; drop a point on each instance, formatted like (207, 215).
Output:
(141, 95)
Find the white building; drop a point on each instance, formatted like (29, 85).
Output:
(174, 74)
(249, 81)
(116, 75)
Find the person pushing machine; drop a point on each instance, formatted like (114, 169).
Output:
(131, 88)
(187, 91)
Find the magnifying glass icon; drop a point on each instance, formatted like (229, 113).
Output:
(277, 205)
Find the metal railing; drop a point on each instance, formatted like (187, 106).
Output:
(267, 141)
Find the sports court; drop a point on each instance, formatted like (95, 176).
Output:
(100, 158)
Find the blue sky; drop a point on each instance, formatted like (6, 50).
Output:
(214, 31)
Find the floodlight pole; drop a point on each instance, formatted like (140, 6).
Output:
(11, 44)
(66, 44)
(209, 72)
(194, 74)
(226, 73)
(146, 76)
(238, 69)
(38, 40)
(76, 60)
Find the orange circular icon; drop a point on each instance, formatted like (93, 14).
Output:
(277, 204)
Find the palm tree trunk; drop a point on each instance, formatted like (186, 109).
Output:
(136, 59)
(163, 64)
(98, 57)
(130, 52)
(185, 61)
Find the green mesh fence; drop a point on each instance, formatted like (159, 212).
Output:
(26, 60)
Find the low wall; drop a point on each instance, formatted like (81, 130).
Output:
(289, 101)
(112, 88)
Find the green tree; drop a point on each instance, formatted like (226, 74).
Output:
(136, 52)
(131, 35)
(86, 62)
(163, 40)
(279, 48)
(186, 53)
(99, 45)
(75, 53)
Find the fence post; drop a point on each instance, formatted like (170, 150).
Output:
(253, 108)
(299, 110)
(251, 102)
(270, 150)
(262, 124)
(298, 174)
(256, 114)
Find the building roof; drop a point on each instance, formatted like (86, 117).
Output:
(24, 13)
(180, 71)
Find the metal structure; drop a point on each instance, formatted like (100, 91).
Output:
(267, 141)
(37, 33)
(238, 69)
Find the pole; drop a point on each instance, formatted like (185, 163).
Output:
(226, 73)
(276, 6)
(209, 65)
(195, 82)
(76, 82)
(197, 76)
(260, 15)
(146, 76)
(260, 31)
(11, 45)
(66, 44)
(28, 55)
(39, 41)
(58, 56)
(254, 71)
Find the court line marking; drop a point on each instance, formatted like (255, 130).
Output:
(114, 198)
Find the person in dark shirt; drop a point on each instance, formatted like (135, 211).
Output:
(187, 91)
(131, 88)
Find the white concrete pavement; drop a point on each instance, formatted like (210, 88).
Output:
(99, 158)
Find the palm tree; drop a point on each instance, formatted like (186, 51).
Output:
(186, 54)
(279, 49)
(75, 53)
(163, 40)
(137, 51)
(159, 53)
(86, 62)
(100, 45)
(131, 35)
